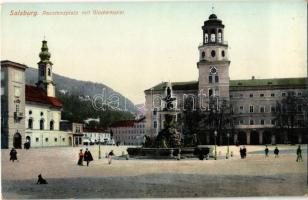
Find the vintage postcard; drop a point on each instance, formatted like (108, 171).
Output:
(154, 99)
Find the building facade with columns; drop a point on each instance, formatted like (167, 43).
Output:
(253, 101)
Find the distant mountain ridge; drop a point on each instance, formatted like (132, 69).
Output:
(82, 88)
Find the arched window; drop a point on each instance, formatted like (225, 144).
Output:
(206, 38)
(210, 92)
(51, 125)
(49, 73)
(203, 54)
(41, 124)
(213, 36)
(30, 123)
(219, 35)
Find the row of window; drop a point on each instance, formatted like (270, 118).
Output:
(262, 109)
(264, 122)
(130, 131)
(251, 95)
(47, 139)
(41, 122)
(126, 137)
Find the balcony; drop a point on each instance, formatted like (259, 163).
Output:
(224, 43)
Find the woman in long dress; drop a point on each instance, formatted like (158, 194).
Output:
(80, 160)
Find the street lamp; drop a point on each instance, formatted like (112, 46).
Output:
(215, 134)
(228, 136)
(99, 148)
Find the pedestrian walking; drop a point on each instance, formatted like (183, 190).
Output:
(244, 152)
(87, 157)
(266, 151)
(276, 152)
(241, 153)
(299, 154)
(80, 160)
(13, 155)
(110, 156)
(41, 180)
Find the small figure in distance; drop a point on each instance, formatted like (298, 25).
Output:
(80, 160)
(41, 180)
(276, 152)
(266, 151)
(299, 154)
(110, 157)
(13, 155)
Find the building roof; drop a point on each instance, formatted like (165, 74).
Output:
(237, 84)
(8, 63)
(126, 123)
(95, 130)
(191, 85)
(38, 95)
(267, 83)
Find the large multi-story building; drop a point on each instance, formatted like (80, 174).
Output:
(253, 101)
(129, 132)
(30, 112)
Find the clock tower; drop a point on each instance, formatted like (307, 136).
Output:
(45, 80)
(213, 62)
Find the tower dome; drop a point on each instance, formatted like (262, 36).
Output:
(44, 54)
(212, 16)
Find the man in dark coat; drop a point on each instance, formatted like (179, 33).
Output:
(87, 156)
(266, 151)
(299, 154)
(276, 152)
(244, 152)
(13, 155)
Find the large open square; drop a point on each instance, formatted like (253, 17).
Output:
(253, 176)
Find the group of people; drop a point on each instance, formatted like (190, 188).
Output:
(243, 152)
(86, 156)
(276, 152)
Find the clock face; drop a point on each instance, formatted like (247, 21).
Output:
(213, 70)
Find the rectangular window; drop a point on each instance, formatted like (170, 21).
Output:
(273, 122)
(17, 91)
(241, 122)
(299, 108)
(262, 109)
(46, 139)
(2, 91)
(37, 139)
(241, 108)
(299, 94)
(2, 76)
(273, 94)
(261, 95)
(251, 122)
(216, 79)
(283, 94)
(155, 124)
(273, 109)
(63, 139)
(262, 121)
(251, 95)
(56, 139)
(210, 79)
(251, 109)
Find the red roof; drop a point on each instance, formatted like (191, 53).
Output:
(38, 95)
(126, 123)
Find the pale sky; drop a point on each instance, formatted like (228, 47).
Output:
(158, 41)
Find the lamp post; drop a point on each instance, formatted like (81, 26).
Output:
(99, 148)
(228, 136)
(215, 134)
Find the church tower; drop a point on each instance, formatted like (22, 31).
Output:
(45, 80)
(213, 62)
